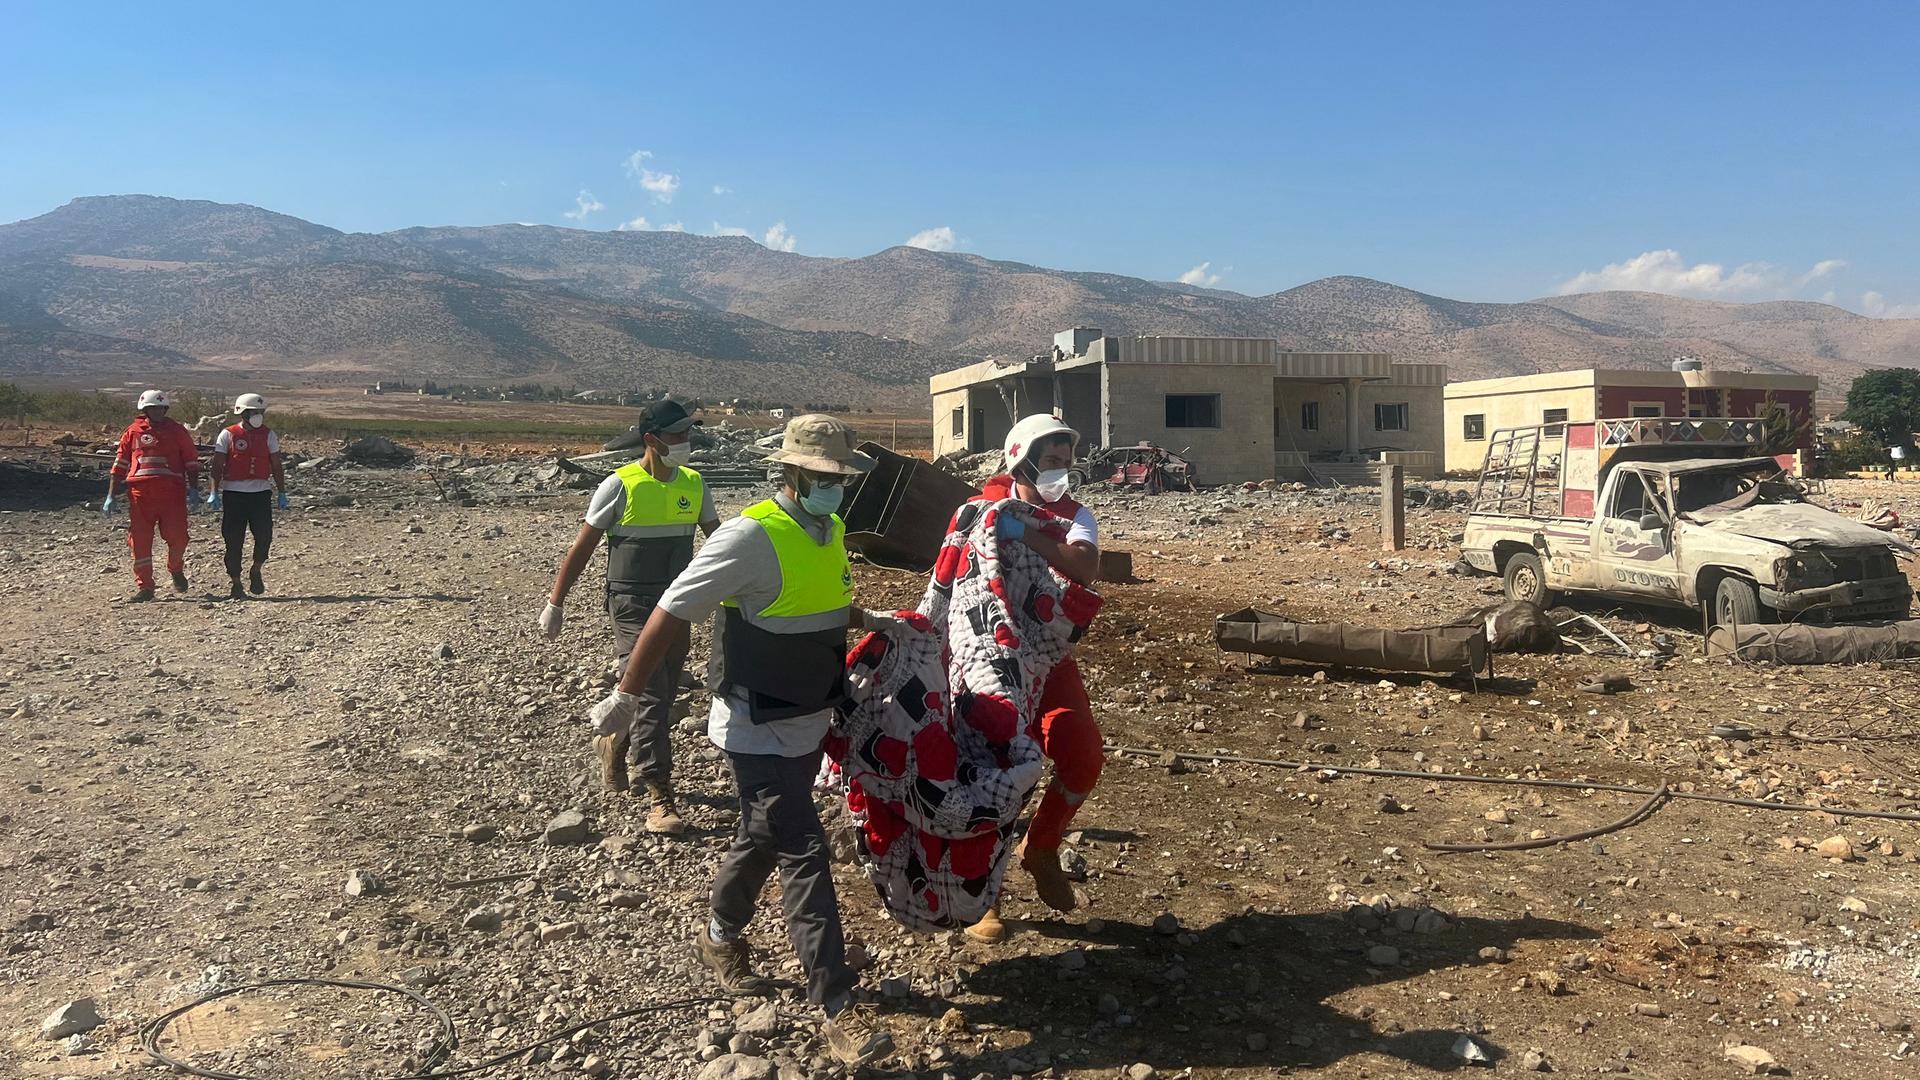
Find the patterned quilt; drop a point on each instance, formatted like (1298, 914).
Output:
(935, 743)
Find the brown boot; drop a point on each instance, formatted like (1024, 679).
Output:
(989, 929)
(612, 752)
(855, 1036)
(662, 819)
(731, 963)
(1051, 882)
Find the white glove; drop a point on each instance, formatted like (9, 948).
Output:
(615, 713)
(551, 619)
(889, 625)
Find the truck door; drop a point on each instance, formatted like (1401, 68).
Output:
(1634, 558)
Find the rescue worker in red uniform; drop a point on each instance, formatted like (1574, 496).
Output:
(247, 469)
(159, 464)
(1039, 452)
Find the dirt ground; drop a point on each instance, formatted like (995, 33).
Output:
(190, 783)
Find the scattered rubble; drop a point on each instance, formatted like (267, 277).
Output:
(376, 450)
(445, 774)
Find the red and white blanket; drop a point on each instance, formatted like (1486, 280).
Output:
(935, 741)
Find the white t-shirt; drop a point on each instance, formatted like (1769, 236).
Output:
(224, 445)
(1083, 528)
(609, 502)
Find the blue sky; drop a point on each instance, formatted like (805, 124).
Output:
(1481, 151)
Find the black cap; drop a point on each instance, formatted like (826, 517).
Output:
(664, 417)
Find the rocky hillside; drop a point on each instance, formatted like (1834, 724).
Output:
(969, 304)
(238, 285)
(233, 286)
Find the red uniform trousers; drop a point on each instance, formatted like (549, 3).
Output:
(159, 501)
(1070, 738)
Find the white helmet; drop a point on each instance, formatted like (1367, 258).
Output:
(249, 401)
(150, 398)
(1031, 430)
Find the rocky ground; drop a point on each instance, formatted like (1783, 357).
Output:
(197, 789)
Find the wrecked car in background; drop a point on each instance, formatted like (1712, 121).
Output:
(1142, 465)
(1673, 511)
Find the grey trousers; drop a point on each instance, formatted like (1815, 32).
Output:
(649, 747)
(779, 828)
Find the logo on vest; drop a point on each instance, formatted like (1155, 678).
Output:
(846, 578)
(686, 503)
(240, 444)
(147, 439)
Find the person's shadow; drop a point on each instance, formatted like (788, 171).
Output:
(1250, 992)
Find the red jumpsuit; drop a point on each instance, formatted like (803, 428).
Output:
(158, 462)
(1065, 727)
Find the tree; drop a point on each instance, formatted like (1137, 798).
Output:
(17, 404)
(1886, 404)
(1785, 433)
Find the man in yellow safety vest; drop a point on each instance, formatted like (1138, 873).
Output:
(648, 511)
(779, 576)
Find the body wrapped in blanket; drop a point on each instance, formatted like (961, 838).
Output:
(936, 743)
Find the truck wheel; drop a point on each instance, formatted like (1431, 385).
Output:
(1526, 580)
(1737, 601)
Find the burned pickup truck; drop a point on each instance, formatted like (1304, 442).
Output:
(1675, 511)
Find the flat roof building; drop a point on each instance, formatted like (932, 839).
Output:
(1239, 408)
(1479, 407)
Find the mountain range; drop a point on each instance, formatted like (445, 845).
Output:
(135, 283)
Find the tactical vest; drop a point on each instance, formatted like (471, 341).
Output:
(653, 540)
(789, 658)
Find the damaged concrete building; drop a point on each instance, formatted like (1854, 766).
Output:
(1477, 408)
(1240, 408)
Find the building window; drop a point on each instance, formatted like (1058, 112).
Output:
(1555, 421)
(959, 423)
(1646, 408)
(1309, 416)
(1193, 410)
(1390, 417)
(1476, 427)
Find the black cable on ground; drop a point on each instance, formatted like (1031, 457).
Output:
(1516, 781)
(448, 1041)
(1640, 813)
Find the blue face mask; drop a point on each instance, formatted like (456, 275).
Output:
(823, 501)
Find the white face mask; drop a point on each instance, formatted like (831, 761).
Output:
(257, 420)
(1051, 484)
(679, 453)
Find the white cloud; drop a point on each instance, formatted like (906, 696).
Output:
(1664, 271)
(663, 185)
(779, 239)
(936, 239)
(1874, 304)
(729, 230)
(1199, 276)
(722, 189)
(1821, 269)
(641, 224)
(583, 204)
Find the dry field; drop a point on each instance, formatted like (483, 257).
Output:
(189, 784)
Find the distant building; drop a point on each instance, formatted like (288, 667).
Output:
(1477, 408)
(1240, 408)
